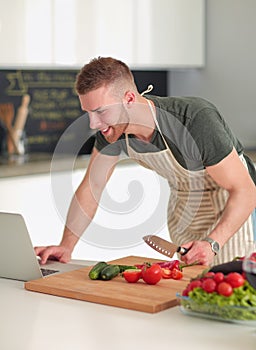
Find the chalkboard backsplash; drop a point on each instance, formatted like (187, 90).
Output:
(54, 105)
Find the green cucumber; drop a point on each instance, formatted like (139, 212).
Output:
(94, 273)
(109, 272)
(126, 267)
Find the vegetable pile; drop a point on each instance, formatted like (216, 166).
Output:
(227, 296)
(105, 272)
(149, 273)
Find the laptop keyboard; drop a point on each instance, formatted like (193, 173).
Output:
(47, 272)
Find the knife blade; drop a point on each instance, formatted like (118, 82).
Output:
(164, 247)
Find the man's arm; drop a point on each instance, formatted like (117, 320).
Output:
(83, 206)
(231, 175)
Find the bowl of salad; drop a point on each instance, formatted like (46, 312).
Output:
(226, 297)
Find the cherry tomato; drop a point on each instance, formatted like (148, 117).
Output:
(194, 284)
(132, 275)
(209, 285)
(185, 292)
(225, 289)
(176, 274)
(235, 279)
(218, 277)
(152, 274)
(166, 273)
(209, 274)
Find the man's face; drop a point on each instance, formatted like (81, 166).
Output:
(106, 112)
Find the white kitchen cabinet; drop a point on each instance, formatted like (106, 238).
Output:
(133, 204)
(143, 33)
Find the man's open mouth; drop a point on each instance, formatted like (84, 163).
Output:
(104, 131)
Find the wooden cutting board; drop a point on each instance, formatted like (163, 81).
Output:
(116, 292)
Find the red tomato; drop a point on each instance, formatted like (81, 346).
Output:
(235, 279)
(209, 274)
(166, 273)
(209, 285)
(176, 274)
(185, 292)
(225, 289)
(194, 284)
(132, 275)
(152, 274)
(218, 277)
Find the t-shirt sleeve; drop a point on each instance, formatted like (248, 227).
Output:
(104, 147)
(212, 136)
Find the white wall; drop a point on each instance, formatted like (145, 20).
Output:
(229, 77)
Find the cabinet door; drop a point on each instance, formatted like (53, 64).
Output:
(105, 28)
(143, 33)
(170, 33)
(12, 32)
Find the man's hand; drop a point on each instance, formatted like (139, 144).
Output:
(199, 251)
(56, 252)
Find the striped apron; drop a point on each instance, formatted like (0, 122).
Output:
(196, 201)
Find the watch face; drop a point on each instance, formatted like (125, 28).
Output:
(215, 246)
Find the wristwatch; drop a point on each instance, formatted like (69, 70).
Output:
(214, 245)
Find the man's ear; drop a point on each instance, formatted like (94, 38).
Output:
(129, 98)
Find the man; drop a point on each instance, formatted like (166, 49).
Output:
(186, 141)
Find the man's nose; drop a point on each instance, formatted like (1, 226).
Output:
(95, 121)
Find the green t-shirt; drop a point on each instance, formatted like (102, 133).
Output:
(193, 129)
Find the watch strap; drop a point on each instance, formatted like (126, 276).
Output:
(213, 243)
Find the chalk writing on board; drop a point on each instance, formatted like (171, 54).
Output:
(54, 104)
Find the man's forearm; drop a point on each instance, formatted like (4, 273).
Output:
(87, 196)
(238, 208)
(81, 211)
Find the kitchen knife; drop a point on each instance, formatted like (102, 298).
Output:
(164, 247)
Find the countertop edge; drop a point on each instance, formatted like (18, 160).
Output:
(47, 165)
(39, 164)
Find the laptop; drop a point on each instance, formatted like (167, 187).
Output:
(18, 260)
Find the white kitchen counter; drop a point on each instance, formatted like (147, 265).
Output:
(34, 321)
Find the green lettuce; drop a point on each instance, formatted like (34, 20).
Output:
(241, 305)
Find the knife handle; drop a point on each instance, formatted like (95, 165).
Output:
(182, 250)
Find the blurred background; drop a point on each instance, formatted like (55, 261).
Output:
(202, 48)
